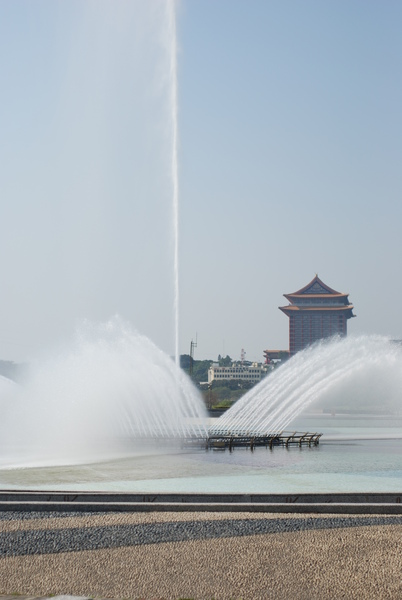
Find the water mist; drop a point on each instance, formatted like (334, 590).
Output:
(110, 392)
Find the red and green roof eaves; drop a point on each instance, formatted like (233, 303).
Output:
(292, 308)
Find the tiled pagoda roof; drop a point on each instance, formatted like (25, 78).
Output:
(317, 296)
(315, 289)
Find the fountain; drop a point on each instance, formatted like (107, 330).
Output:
(112, 383)
(104, 395)
(85, 413)
(359, 373)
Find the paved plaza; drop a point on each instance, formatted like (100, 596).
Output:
(200, 555)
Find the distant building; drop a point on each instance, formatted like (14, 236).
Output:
(252, 373)
(316, 311)
(273, 356)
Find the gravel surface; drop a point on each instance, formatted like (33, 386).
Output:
(201, 555)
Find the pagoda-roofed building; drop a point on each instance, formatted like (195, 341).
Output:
(316, 311)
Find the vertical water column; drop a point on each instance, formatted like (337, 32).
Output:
(174, 163)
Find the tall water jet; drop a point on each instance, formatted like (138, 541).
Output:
(106, 394)
(95, 205)
(354, 373)
(173, 101)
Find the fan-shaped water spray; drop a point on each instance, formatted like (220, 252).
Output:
(358, 373)
(100, 397)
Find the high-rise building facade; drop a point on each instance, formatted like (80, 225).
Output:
(316, 311)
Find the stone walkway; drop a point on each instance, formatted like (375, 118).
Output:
(201, 556)
(47, 598)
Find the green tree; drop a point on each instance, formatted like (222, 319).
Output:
(185, 362)
(200, 368)
(225, 362)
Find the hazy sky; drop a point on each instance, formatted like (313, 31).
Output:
(290, 165)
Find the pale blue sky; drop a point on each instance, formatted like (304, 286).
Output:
(290, 164)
